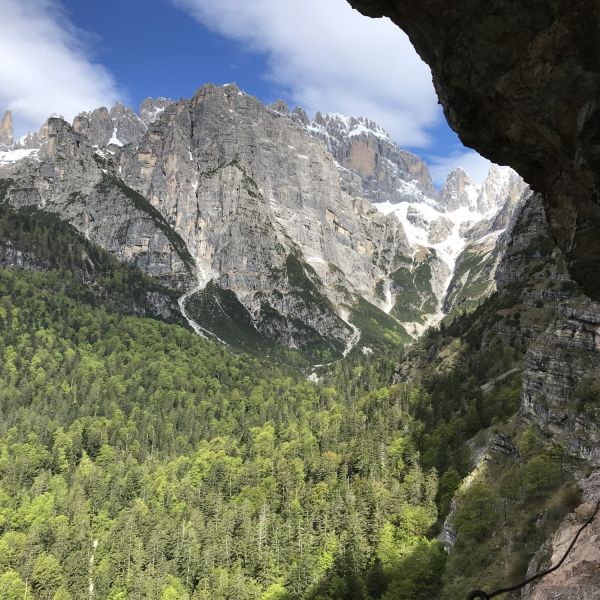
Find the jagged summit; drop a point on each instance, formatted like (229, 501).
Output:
(458, 190)
(310, 231)
(370, 163)
(152, 108)
(348, 125)
(6, 130)
(120, 125)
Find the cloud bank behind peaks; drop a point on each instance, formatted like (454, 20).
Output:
(328, 57)
(45, 68)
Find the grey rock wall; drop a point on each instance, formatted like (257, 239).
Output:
(6, 130)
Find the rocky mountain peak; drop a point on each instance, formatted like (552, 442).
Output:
(6, 130)
(500, 184)
(342, 126)
(364, 149)
(280, 106)
(458, 190)
(34, 140)
(119, 125)
(152, 108)
(299, 115)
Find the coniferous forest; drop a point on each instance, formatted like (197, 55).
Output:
(138, 460)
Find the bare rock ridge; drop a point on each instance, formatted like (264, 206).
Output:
(362, 147)
(71, 180)
(120, 125)
(520, 83)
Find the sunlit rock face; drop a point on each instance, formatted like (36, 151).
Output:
(6, 130)
(520, 83)
(302, 223)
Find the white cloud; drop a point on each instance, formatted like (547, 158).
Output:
(45, 67)
(329, 57)
(474, 164)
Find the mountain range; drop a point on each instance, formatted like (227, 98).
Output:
(318, 235)
(300, 241)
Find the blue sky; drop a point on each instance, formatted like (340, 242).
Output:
(64, 56)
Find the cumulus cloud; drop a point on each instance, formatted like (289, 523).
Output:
(328, 57)
(474, 164)
(45, 66)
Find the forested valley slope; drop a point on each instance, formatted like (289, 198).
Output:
(139, 459)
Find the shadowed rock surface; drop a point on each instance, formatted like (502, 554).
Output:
(520, 83)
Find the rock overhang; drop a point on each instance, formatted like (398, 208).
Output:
(520, 83)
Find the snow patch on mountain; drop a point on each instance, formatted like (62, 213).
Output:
(346, 126)
(13, 156)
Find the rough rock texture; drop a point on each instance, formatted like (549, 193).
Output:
(102, 127)
(513, 191)
(560, 366)
(527, 244)
(152, 108)
(74, 181)
(362, 147)
(579, 576)
(502, 186)
(520, 83)
(6, 130)
(34, 140)
(449, 536)
(440, 230)
(458, 190)
(563, 340)
(245, 186)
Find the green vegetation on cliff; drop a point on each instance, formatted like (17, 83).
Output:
(146, 461)
(187, 471)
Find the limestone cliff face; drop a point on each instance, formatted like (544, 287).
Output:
(458, 190)
(562, 338)
(247, 188)
(502, 187)
(561, 365)
(120, 125)
(74, 181)
(152, 108)
(361, 147)
(579, 577)
(6, 130)
(520, 83)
